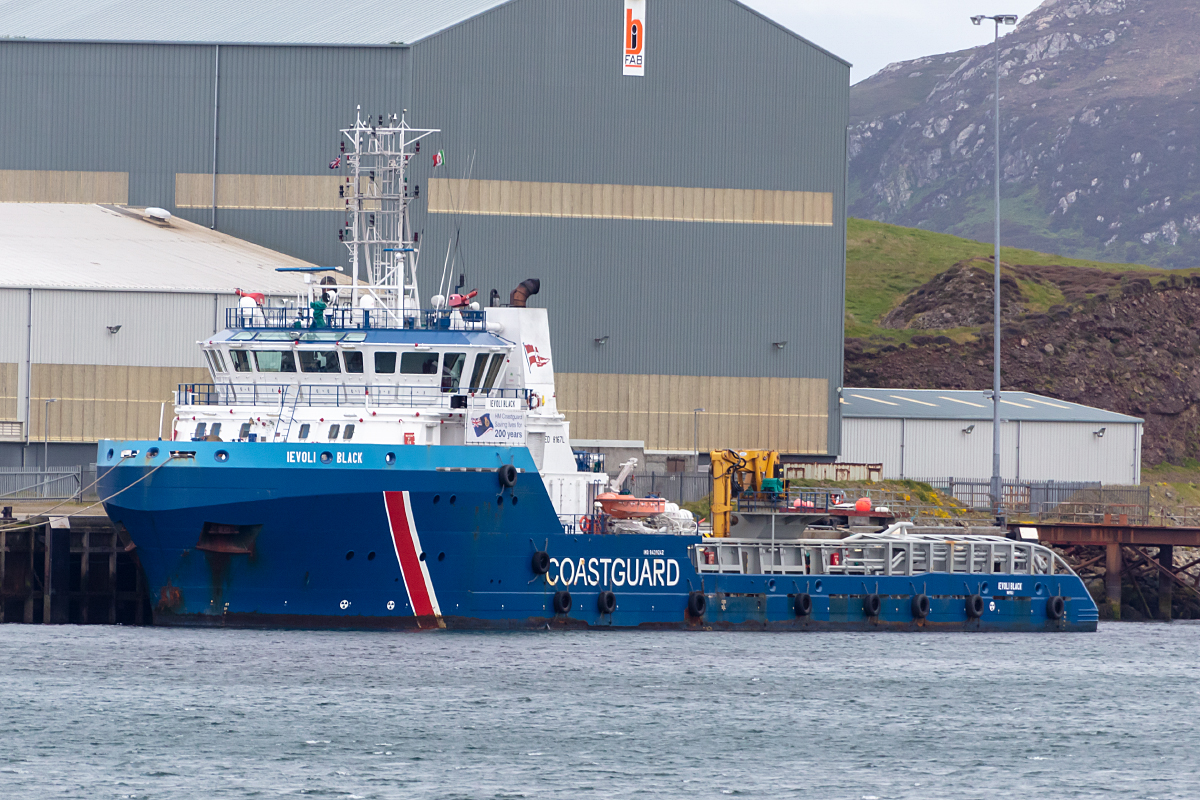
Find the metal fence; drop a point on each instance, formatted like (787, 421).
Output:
(1085, 500)
(676, 487)
(26, 483)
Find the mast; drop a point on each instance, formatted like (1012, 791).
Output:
(382, 246)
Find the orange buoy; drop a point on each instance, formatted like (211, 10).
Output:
(862, 504)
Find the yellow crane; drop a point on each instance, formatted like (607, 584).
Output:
(736, 471)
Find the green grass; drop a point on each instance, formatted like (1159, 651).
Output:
(886, 262)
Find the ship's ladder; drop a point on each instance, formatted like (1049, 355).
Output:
(285, 422)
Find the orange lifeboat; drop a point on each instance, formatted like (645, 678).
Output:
(624, 506)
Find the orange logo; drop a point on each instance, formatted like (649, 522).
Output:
(635, 38)
(633, 34)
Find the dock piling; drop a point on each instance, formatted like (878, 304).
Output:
(1166, 559)
(1112, 578)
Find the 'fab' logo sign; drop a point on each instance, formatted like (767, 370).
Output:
(635, 38)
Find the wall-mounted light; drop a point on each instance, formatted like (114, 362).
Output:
(1100, 433)
(779, 345)
(602, 340)
(113, 328)
(969, 429)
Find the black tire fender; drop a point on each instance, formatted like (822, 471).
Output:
(872, 604)
(540, 563)
(507, 474)
(562, 602)
(1055, 607)
(974, 607)
(697, 604)
(803, 605)
(920, 606)
(606, 602)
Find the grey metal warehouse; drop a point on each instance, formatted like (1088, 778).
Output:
(687, 222)
(938, 434)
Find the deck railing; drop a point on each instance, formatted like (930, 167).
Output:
(308, 395)
(355, 318)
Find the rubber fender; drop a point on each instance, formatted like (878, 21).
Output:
(562, 602)
(606, 602)
(507, 474)
(540, 563)
(1055, 607)
(920, 606)
(803, 605)
(872, 604)
(974, 607)
(697, 604)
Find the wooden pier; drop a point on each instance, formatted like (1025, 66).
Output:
(69, 570)
(1125, 547)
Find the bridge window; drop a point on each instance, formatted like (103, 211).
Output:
(244, 432)
(319, 361)
(452, 367)
(215, 430)
(199, 434)
(477, 373)
(494, 370)
(241, 360)
(275, 360)
(333, 431)
(385, 363)
(220, 360)
(304, 429)
(419, 363)
(213, 364)
(348, 433)
(354, 361)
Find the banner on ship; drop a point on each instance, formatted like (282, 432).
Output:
(634, 20)
(501, 421)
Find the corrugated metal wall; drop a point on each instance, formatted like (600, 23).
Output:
(1047, 451)
(531, 91)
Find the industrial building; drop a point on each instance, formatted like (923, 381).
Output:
(937, 434)
(673, 170)
(101, 309)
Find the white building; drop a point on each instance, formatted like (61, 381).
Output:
(935, 434)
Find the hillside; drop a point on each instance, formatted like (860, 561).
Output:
(1100, 125)
(1120, 337)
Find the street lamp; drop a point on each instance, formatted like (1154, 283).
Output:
(999, 19)
(46, 435)
(696, 434)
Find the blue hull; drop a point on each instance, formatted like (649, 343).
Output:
(271, 536)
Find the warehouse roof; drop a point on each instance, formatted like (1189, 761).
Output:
(261, 22)
(58, 246)
(969, 405)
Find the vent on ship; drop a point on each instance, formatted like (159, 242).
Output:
(217, 537)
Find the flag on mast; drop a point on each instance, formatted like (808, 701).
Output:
(439, 158)
(337, 162)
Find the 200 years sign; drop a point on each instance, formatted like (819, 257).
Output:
(502, 421)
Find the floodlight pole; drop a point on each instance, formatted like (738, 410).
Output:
(996, 487)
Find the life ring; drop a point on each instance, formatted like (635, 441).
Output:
(606, 602)
(535, 401)
(540, 563)
(803, 605)
(872, 605)
(507, 474)
(1055, 607)
(697, 604)
(562, 602)
(920, 606)
(585, 524)
(974, 607)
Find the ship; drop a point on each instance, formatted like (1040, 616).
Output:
(360, 460)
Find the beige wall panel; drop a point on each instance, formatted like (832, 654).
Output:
(8, 391)
(528, 198)
(286, 192)
(46, 186)
(103, 402)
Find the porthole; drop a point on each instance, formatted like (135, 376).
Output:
(771, 584)
(326, 457)
(349, 554)
(110, 454)
(421, 557)
(453, 497)
(389, 458)
(371, 556)
(1038, 589)
(817, 586)
(514, 500)
(441, 556)
(152, 452)
(221, 456)
(499, 499)
(985, 588)
(436, 499)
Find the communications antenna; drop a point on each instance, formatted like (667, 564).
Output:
(383, 247)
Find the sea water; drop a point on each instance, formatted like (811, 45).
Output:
(113, 712)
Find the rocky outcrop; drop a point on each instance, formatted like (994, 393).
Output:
(1100, 123)
(1133, 349)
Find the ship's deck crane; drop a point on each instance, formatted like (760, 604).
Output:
(735, 471)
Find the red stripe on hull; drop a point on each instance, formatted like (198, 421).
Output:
(406, 543)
